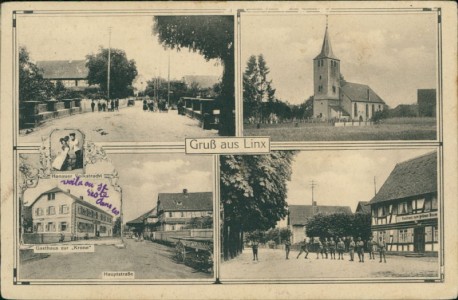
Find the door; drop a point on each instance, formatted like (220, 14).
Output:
(419, 239)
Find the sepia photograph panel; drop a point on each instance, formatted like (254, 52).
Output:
(125, 77)
(330, 215)
(129, 217)
(340, 77)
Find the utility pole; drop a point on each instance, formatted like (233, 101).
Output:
(375, 187)
(109, 61)
(313, 184)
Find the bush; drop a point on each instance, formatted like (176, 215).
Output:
(380, 115)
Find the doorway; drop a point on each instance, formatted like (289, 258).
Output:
(419, 239)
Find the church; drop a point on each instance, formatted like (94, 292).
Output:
(335, 98)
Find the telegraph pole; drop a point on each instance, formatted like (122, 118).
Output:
(109, 61)
(313, 184)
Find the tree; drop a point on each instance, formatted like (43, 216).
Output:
(257, 90)
(213, 38)
(340, 225)
(253, 195)
(122, 72)
(117, 227)
(32, 85)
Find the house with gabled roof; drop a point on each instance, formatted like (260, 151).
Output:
(145, 223)
(363, 207)
(72, 73)
(405, 209)
(335, 98)
(176, 210)
(57, 213)
(298, 215)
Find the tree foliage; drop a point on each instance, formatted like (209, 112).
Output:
(339, 225)
(117, 227)
(213, 38)
(253, 194)
(122, 72)
(32, 85)
(258, 93)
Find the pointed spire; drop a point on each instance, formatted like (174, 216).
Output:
(326, 49)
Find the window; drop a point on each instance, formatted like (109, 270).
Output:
(373, 109)
(39, 211)
(402, 208)
(173, 227)
(367, 110)
(355, 112)
(51, 196)
(418, 206)
(50, 227)
(80, 210)
(434, 203)
(51, 210)
(63, 226)
(403, 236)
(334, 89)
(170, 214)
(63, 209)
(182, 214)
(320, 88)
(320, 77)
(39, 227)
(103, 229)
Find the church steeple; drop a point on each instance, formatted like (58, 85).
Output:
(326, 49)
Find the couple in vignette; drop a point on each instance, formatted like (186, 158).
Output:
(70, 157)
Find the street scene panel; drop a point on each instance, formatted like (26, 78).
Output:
(127, 78)
(152, 220)
(369, 214)
(345, 77)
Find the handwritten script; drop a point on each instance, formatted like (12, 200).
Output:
(96, 191)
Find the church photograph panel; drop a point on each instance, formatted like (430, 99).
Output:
(340, 77)
(363, 214)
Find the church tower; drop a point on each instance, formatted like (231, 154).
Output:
(326, 80)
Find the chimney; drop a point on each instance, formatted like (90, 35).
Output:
(185, 191)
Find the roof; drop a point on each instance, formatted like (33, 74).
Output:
(363, 207)
(299, 214)
(64, 69)
(326, 49)
(204, 81)
(141, 218)
(202, 201)
(360, 92)
(417, 176)
(76, 199)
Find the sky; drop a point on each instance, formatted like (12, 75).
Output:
(143, 176)
(343, 177)
(74, 37)
(394, 54)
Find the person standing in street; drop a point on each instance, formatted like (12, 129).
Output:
(254, 247)
(332, 248)
(351, 249)
(340, 248)
(382, 249)
(325, 248)
(372, 247)
(318, 248)
(360, 249)
(117, 104)
(303, 249)
(92, 105)
(287, 247)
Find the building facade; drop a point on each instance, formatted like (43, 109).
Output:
(72, 73)
(178, 210)
(335, 98)
(298, 216)
(405, 209)
(59, 212)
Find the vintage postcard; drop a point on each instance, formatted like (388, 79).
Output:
(229, 150)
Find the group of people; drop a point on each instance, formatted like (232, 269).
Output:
(105, 105)
(328, 248)
(155, 105)
(70, 155)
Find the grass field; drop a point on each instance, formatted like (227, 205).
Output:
(389, 129)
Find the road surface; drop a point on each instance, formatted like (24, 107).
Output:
(129, 124)
(273, 265)
(148, 260)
